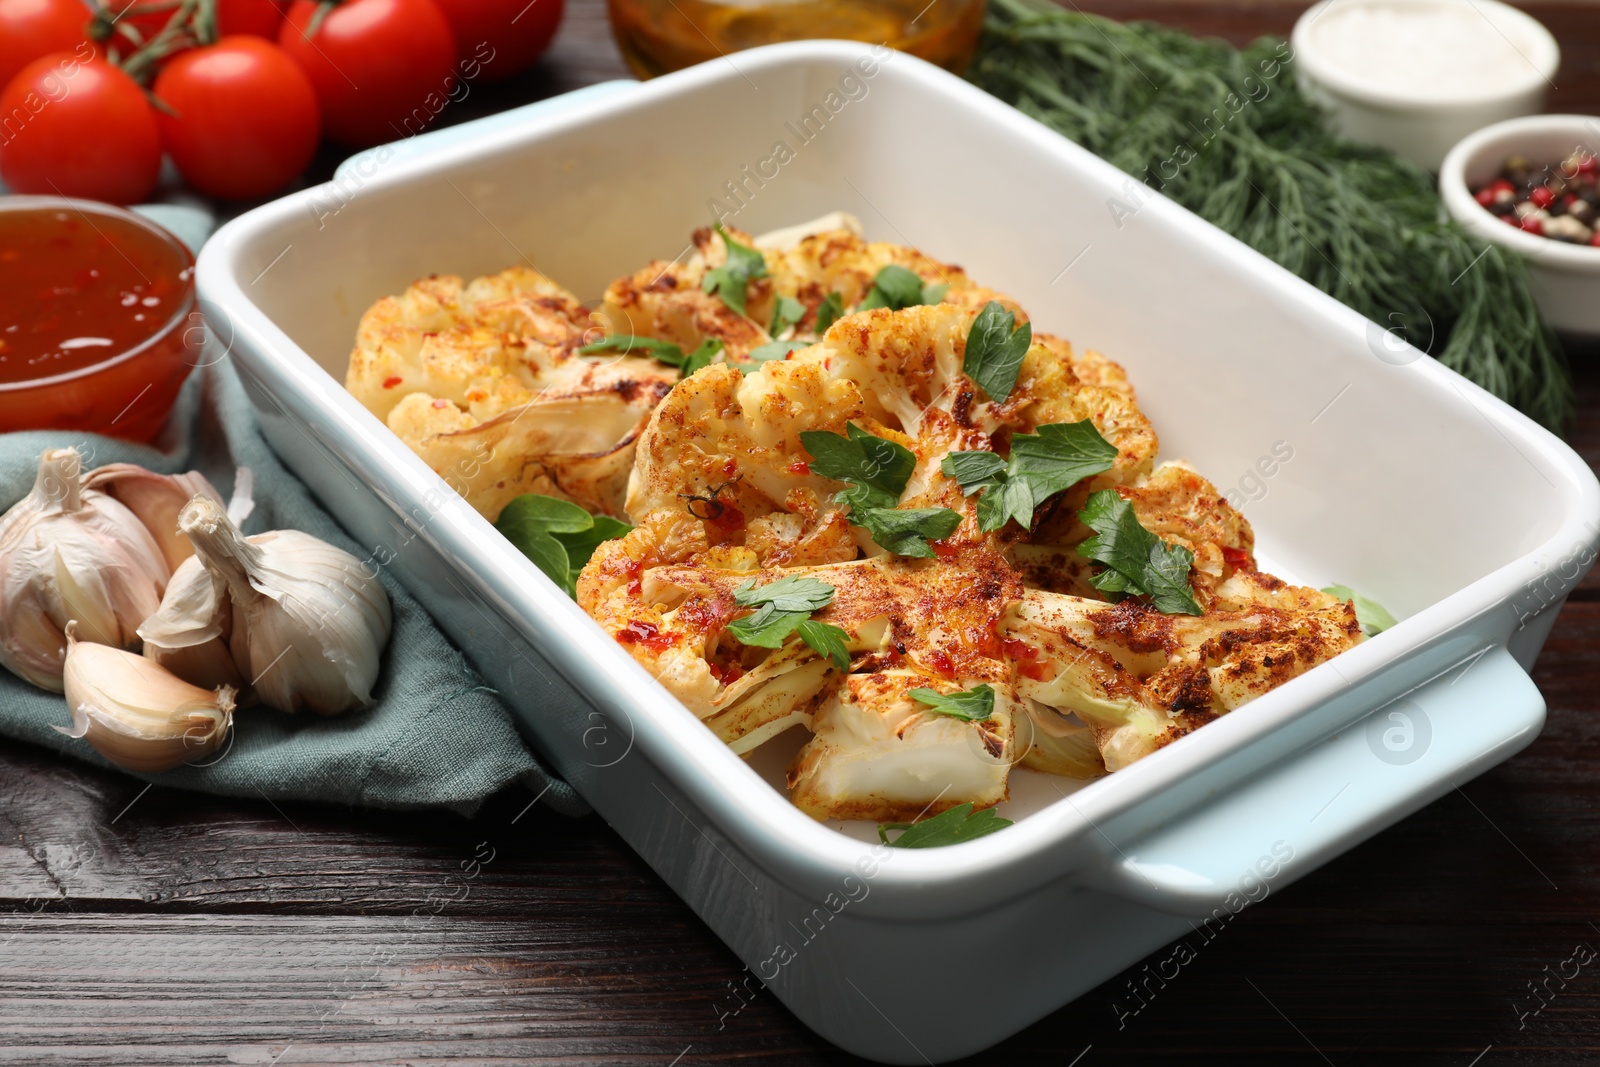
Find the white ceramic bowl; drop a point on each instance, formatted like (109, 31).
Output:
(1566, 277)
(1421, 125)
(1389, 454)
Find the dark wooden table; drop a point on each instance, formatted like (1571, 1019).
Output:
(146, 926)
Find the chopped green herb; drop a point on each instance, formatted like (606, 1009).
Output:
(894, 287)
(731, 281)
(782, 606)
(877, 470)
(827, 641)
(974, 471)
(906, 531)
(1136, 560)
(702, 356)
(1058, 457)
(768, 627)
(794, 593)
(828, 312)
(557, 535)
(1372, 616)
(665, 351)
(785, 313)
(969, 705)
(872, 463)
(897, 288)
(995, 347)
(775, 350)
(953, 827)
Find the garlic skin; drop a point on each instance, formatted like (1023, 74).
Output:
(72, 553)
(137, 714)
(156, 499)
(308, 621)
(189, 634)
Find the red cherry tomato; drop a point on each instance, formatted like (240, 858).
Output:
(382, 69)
(86, 130)
(504, 36)
(33, 28)
(244, 120)
(259, 18)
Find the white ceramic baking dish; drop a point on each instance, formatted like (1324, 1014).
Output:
(1405, 481)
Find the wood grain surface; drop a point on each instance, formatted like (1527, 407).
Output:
(148, 926)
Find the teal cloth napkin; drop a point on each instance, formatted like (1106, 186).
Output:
(436, 735)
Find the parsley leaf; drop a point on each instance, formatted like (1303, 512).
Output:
(906, 531)
(794, 593)
(783, 606)
(1059, 456)
(874, 464)
(775, 350)
(768, 628)
(1373, 616)
(1137, 561)
(828, 641)
(702, 356)
(973, 470)
(995, 350)
(969, 705)
(897, 288)
(664, 351)
(952, 827)
(558, 535)
(731, 280)
(828, 313)
(877, 470)
(785, 313)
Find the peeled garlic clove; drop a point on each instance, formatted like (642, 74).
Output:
(309, 620)
(188, 635)
(137, 714)
(68, 552)
(156, 499)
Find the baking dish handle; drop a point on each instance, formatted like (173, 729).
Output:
(1239, 846)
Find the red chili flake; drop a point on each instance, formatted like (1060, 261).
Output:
(1237, 558)
(392, 381)
(728, 467)
(728, 520)
(635, 580)
(944, 549)
(648, 634)
(799, 466)
(441, 403)
(941, 663)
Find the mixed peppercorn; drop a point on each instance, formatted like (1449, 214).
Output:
(1561, 202)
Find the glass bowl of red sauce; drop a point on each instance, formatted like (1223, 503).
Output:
(98, 328)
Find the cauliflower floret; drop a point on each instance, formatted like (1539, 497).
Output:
(484, 382)
(493, 343)
(877, 753)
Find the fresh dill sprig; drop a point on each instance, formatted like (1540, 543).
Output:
(1265, 166)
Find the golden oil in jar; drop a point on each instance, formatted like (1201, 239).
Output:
(657, 36)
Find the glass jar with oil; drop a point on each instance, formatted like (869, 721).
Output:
(657, 36)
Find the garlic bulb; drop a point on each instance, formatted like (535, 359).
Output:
(189, 634)
(137, 714)
(308, 622)
(156, 499)
(69, 552)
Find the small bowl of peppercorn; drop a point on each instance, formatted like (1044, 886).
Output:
(1533, 185)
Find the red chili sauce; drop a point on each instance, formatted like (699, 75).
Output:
(76, 290)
